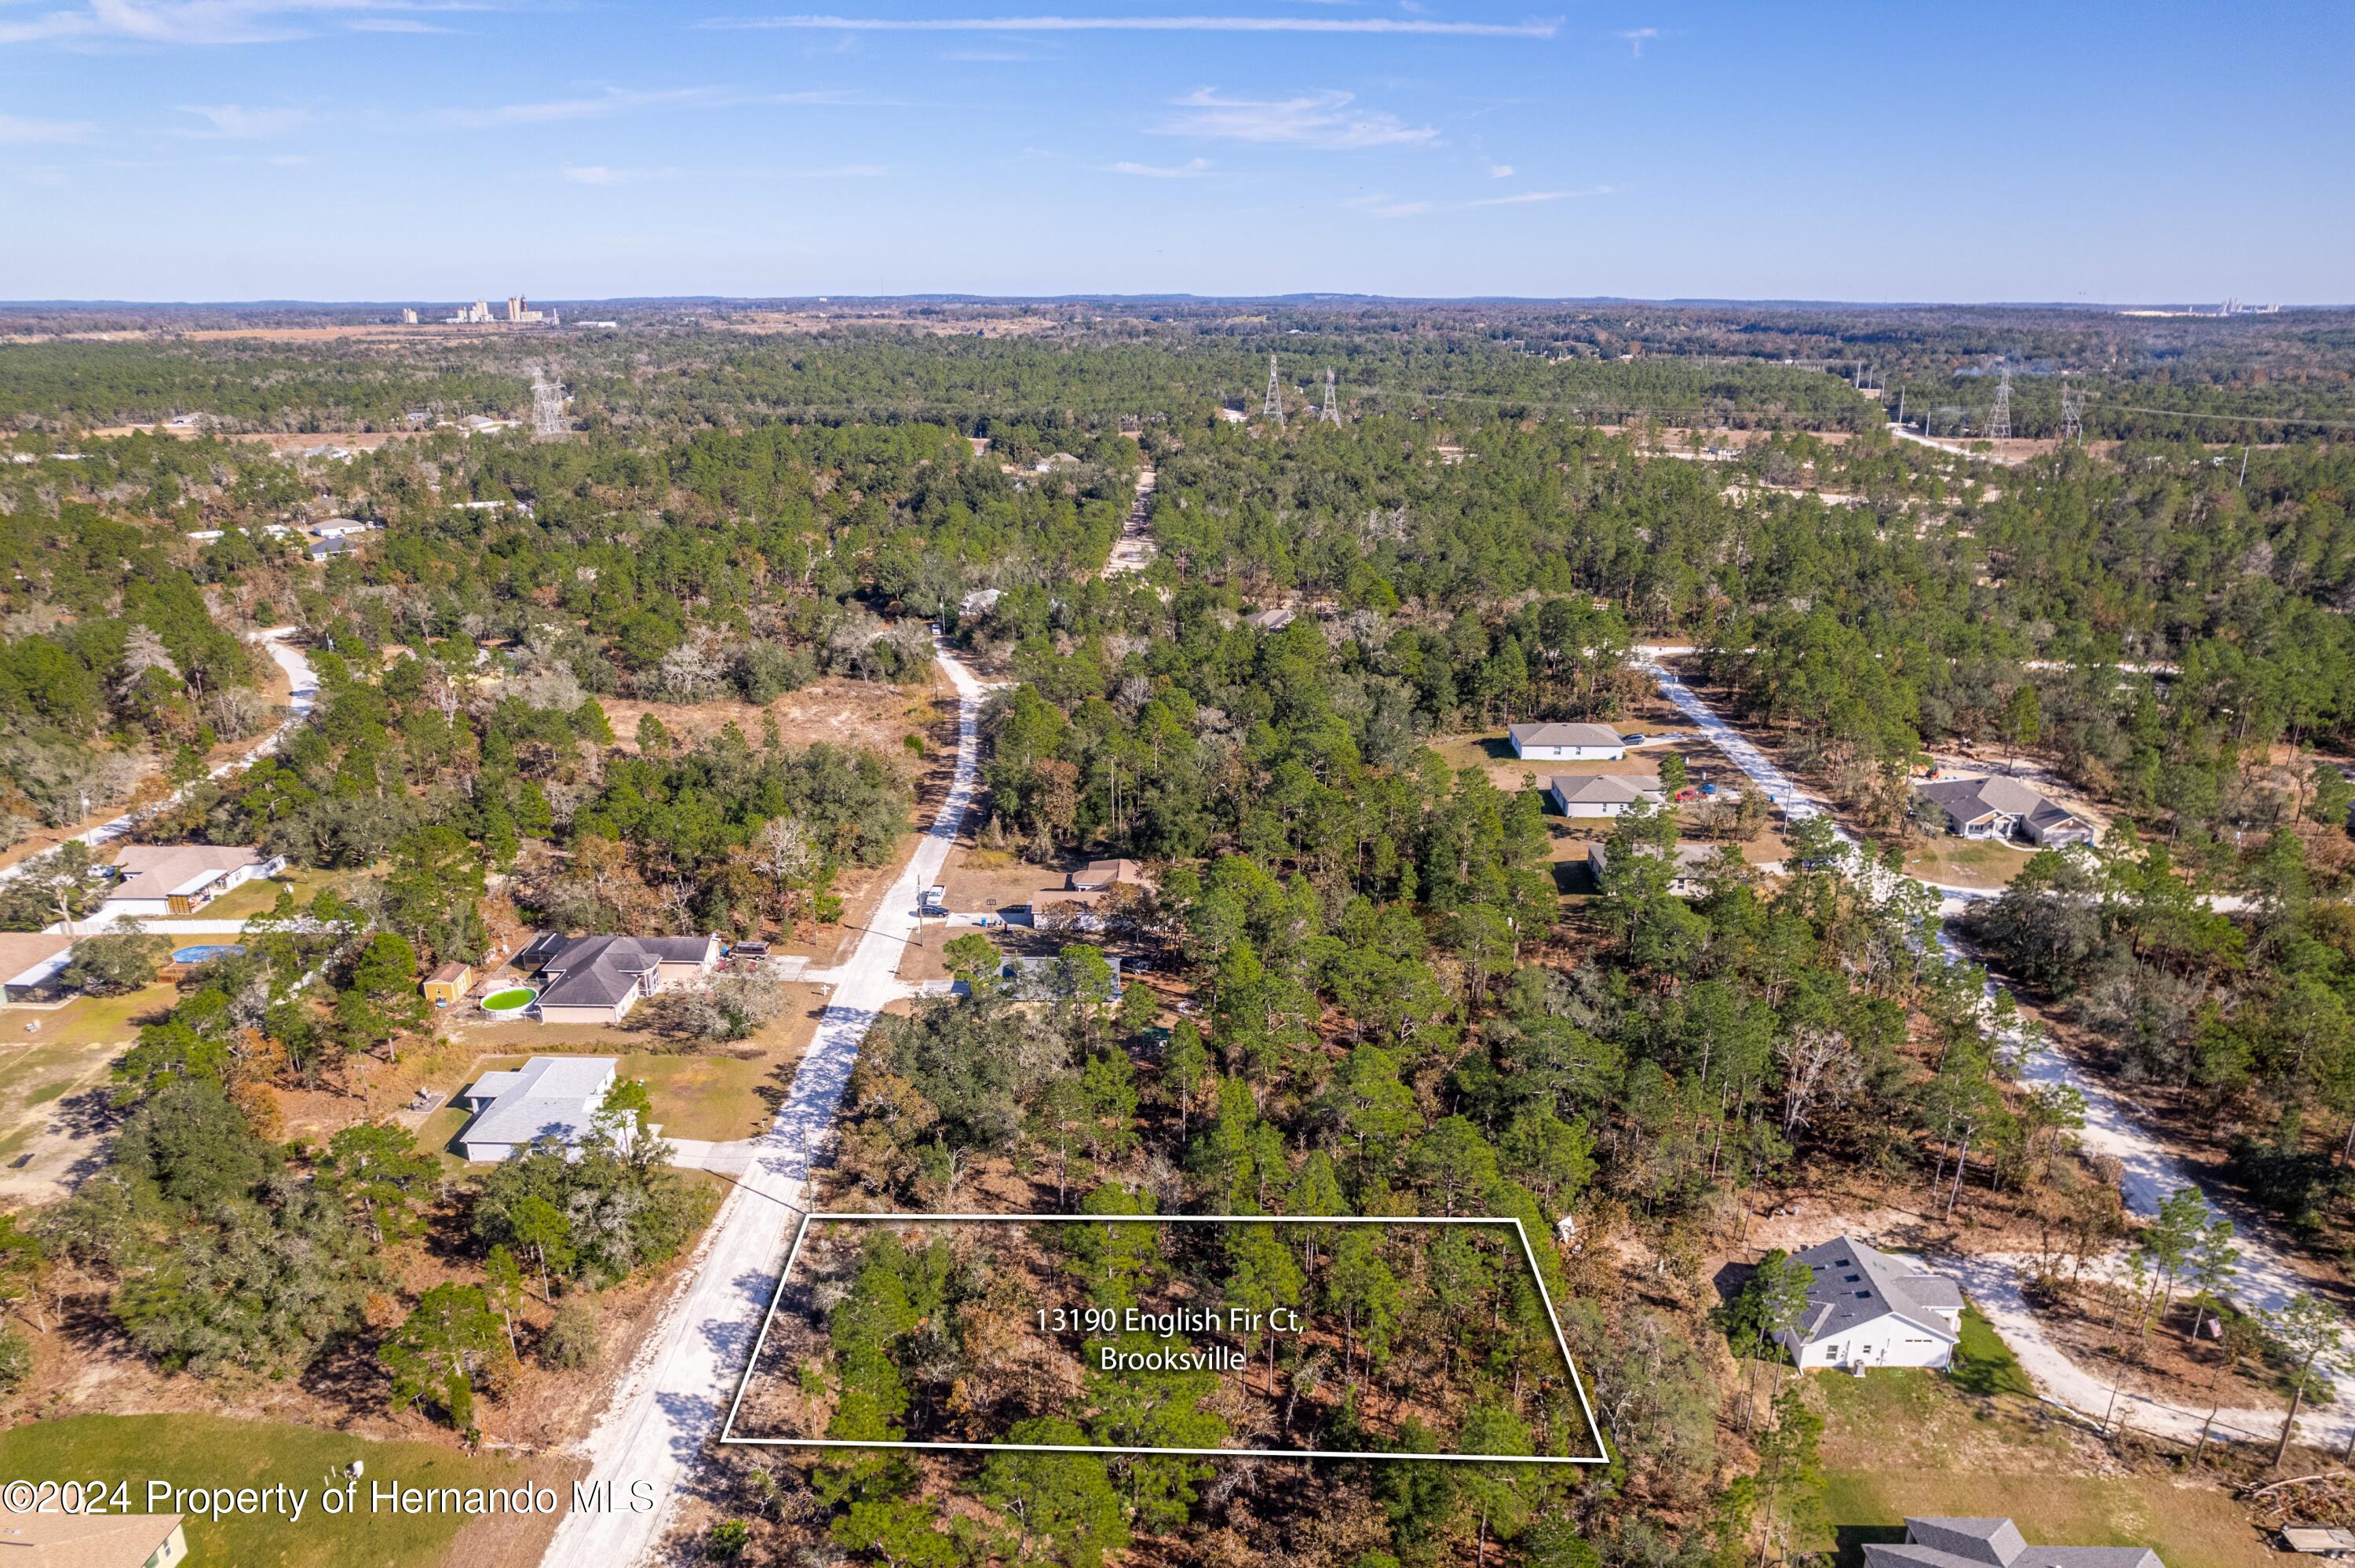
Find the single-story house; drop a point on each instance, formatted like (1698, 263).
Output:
(1566, 742)
(93, 1540)
(1689, 880)
(328, 549)
(30, 960)
(154, 881)
(1600, 794)
(1079, 903)
(597, 979)
(547, 1098)
(1872, 1309)
(1994, 1543)
(2000, 808)
(340, 528)
(449, 983)
(1275, 620)
(1045, 979)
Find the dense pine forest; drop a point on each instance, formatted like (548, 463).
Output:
(1371, 983)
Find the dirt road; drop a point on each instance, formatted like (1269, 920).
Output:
(2269, 1275)
(302, 697)
(670, 1399)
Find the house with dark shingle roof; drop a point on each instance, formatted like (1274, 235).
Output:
(1994, 1543)
(1867, 1308)
(597, 979)
(2000, 808)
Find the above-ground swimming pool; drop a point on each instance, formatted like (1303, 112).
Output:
(511, 1003)
(205, 952)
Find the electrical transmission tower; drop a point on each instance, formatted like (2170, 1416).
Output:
(1330, 415)
(547, 407)
(2072, 415)
(1274, 408)
(2000, 417)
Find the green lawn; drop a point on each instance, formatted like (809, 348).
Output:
(2189, 1527)
(218, 1451)
(259, 896)
(713, 1097)
(1915, 1443)
(1967, 863)
(1984, 1364)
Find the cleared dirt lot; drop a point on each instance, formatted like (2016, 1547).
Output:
(55, 1081)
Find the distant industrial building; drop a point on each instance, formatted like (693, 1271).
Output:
(407, 316)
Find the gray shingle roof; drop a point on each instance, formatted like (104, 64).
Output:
(1969, 799)
(548, 1096)
(1557, 734)
(1855, 1284)
(1601, 788)
(598, 971)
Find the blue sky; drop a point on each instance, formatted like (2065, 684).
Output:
(434, 149)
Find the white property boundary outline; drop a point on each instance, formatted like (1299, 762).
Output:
(1601, 1454)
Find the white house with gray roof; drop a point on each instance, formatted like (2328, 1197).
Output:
(549, 1098)
(1557, 742)
(597, 979)
(1601, 794)
(1872, 1309)
(1994, 1543)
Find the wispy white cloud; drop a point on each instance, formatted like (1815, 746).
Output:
(240, 122)
(1383, 205)
(1637, 37)
(1322, 120)
(395, 24)
(614, 101)
(1500, 170)
(1526, 198)
(1191, 169)
(1059, 24)
(611, 101)
(17, 131)
(606, 174)
(200, 22)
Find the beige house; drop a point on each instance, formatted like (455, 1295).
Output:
(92, 1540)
(1081, 903)
(158, 881)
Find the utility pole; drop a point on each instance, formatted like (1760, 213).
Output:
(1274, 407)
(2072, 415)
(547, 407)
(2242, 482)
(1900, 404)
(2000, 417)
(1330, 416)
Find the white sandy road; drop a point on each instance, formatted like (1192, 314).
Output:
(2269, 1275)
(301, 697)
(671, 1399)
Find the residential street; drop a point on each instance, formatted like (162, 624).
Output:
(2268, 1276)
(670, 1401)
(302, 696)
